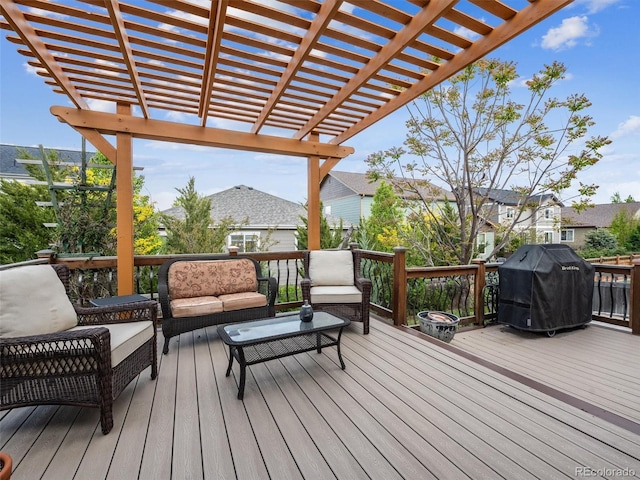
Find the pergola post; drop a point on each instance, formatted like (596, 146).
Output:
(313, 198)
(124, 206)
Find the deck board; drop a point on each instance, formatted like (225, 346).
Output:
(596, 364)
(404, 407)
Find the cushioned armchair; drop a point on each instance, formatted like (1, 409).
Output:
(54, 352)
(333, 283)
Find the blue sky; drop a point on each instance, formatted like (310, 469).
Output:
(597, 40)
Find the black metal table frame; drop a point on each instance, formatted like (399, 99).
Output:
(287, 344)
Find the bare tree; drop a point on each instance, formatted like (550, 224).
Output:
(470, 135)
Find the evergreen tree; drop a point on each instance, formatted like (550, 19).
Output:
(330, 237)
(86, 217)
(622, 226)
(385, 218)
(601, 239)
(633, 242)
(22, 230)
(195, 231)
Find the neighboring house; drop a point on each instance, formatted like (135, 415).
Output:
(542, 217)
(11, 169)
(350, 195)
(263, 212)
(575, 226)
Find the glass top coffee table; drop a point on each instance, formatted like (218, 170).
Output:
(262, 340)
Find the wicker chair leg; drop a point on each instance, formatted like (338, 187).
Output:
(165, 349)
(106, 416)
(154, 362)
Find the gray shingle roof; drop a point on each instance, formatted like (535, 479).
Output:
(260, 208)
(509, 197)
(9, 168)
(360, 184)
(598, 216)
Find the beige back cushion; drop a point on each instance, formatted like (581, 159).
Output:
(33, 301)
(331, 267)
(210, 278)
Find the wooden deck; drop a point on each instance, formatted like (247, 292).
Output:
(598, 365)
(403, 408)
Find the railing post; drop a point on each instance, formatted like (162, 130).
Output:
(634, 311)
(47, 253)
(233, 251)
(480, 282)
(399, 298)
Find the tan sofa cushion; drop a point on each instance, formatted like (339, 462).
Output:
(339, 294)
(238, 301)
(331, 267)
(33, 301)
(210, 278)
(126, 338)
(192, 307)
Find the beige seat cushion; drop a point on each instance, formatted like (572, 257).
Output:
(331, 267)
(126, 338)
(33, 301)
(339, 294)
(238, 301)
(191, 307)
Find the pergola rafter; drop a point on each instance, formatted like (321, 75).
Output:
(295, 77)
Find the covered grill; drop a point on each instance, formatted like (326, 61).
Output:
(544, 288)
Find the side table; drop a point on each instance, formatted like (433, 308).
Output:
(118, 300)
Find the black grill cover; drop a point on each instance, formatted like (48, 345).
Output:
(544, 288)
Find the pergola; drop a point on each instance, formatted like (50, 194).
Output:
(301, 76)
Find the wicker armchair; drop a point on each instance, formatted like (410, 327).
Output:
(333, 283)
(74, 366)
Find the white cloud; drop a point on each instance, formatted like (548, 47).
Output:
(631, 126)
(45, 13)
(101, 105)
(31, 70)
(594, 6)
(567, 35)
(466, 33)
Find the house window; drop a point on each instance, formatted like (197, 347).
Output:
(245, 241)
(482, 242)
(566, 236)
(548, 213)
(548, 237)
(510, 212)
(327, 209)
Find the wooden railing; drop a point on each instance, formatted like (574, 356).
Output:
(612, 302)
(617, 260)
(399, 292)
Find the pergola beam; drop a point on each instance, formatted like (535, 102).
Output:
(521, 21)
(317, 28)
(28, 35)
(216, 27)
(123, 40)
(113, 123)
(420, 22)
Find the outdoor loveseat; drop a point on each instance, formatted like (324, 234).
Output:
(56, 352)
(205, 290)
